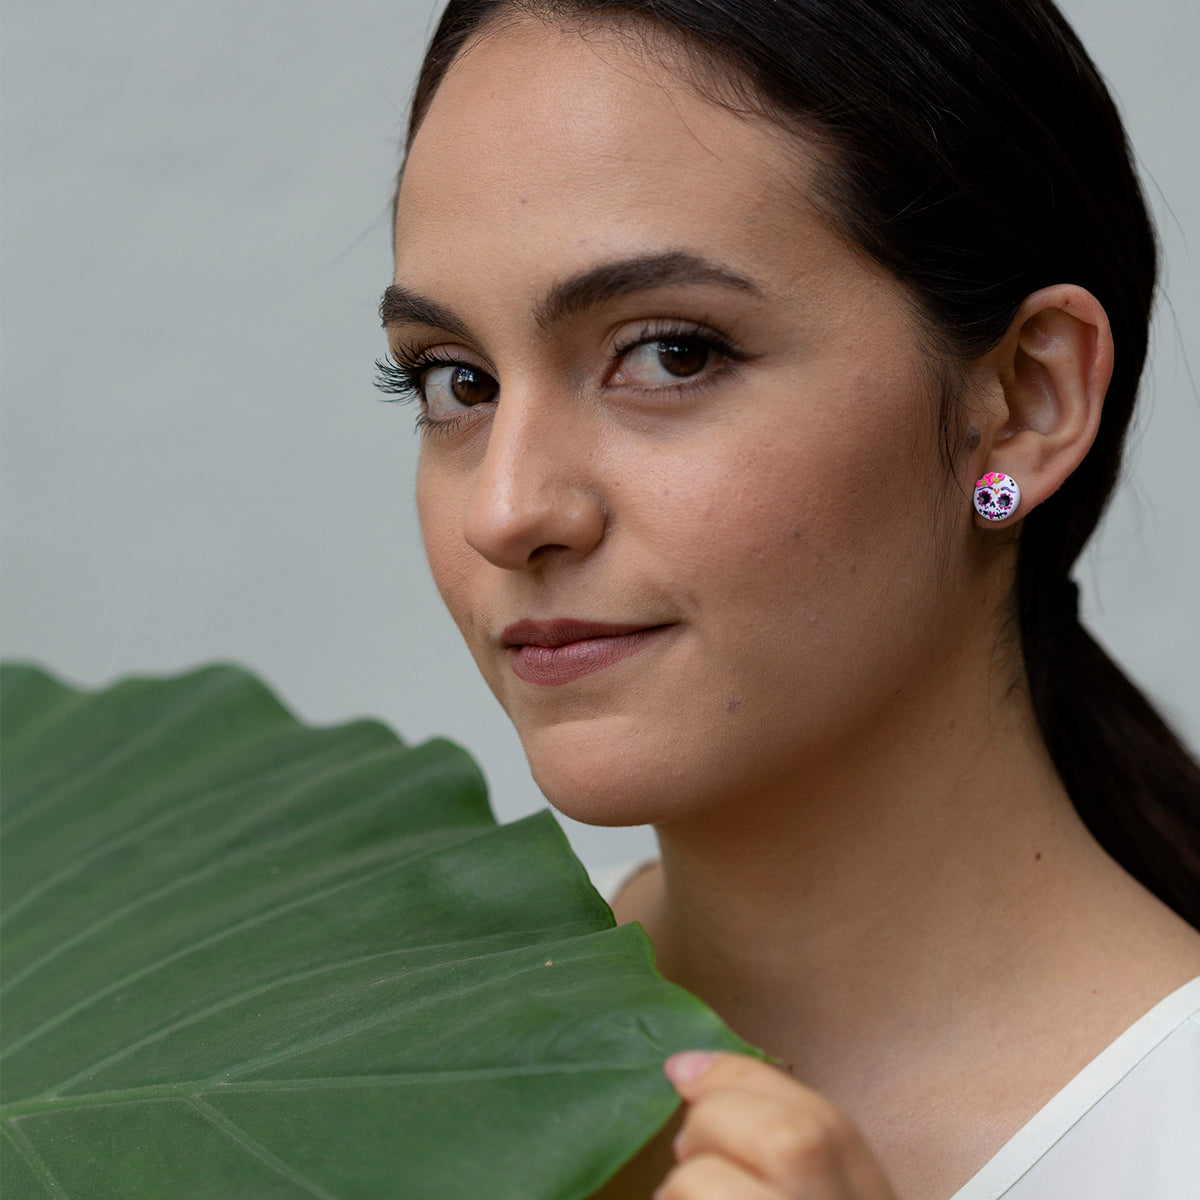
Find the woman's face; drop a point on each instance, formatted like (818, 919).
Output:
(679, 479)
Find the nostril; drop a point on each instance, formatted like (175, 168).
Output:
(523, 528)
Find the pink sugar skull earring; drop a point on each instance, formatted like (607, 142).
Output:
(996, 496)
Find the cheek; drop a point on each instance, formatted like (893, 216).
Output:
(807, 555)
(803, 513)
(441, 532)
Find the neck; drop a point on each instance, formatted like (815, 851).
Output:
(919, 864)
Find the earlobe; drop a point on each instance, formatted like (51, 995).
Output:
(1053, 368)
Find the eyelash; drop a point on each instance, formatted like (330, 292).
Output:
(666, 331)
(401, 373)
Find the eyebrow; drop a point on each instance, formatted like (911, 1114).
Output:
(400, 306)
(588, 289)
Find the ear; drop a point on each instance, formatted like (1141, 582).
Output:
(1052, 371)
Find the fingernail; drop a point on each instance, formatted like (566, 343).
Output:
(688, 1065)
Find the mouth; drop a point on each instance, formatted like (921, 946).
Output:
(551, 653)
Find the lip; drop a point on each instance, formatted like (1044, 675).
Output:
(551, 653)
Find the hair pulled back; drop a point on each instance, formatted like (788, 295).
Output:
(976, 154)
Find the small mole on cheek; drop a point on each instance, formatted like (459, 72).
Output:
(972, 437)
(524, 199)
(1037, 857)
(732, 704)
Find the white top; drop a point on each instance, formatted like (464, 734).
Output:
(1127, 1127)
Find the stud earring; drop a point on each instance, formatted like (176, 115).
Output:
(996, 496)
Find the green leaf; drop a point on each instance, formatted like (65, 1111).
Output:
(247, 958)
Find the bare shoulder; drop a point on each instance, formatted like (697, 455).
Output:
(637, 898)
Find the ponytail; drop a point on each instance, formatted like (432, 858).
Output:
(1130, 778)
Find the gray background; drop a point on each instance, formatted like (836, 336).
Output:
(195, 466)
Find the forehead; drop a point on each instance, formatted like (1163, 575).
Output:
(587, 143)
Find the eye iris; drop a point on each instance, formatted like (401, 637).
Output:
(471, 387)
(683, 356)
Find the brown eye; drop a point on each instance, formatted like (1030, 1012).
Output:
(661, 361)
(683, 356)
(470, 386)
(456, 386)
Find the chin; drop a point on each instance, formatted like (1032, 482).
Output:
(597, 793)
(600, 781)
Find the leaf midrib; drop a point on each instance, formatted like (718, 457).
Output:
(195, 1088)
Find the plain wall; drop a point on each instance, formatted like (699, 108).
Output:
(195, 237)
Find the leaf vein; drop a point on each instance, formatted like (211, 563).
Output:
(213, 939)
(260, 1152)
(534, 949)
(199, 1087)
(33, 1159)
(170, 719)
(215, 867)
(203, 799)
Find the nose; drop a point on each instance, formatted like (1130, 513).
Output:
(535, 495)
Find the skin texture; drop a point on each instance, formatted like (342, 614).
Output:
(869, 866)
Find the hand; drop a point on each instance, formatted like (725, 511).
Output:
(751, 1133)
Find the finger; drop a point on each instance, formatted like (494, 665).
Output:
(698, 1073)
(710, 1177)
(797, 1151)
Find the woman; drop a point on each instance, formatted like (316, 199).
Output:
(773, 362)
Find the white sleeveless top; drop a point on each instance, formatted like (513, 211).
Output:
(1127, 1127)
